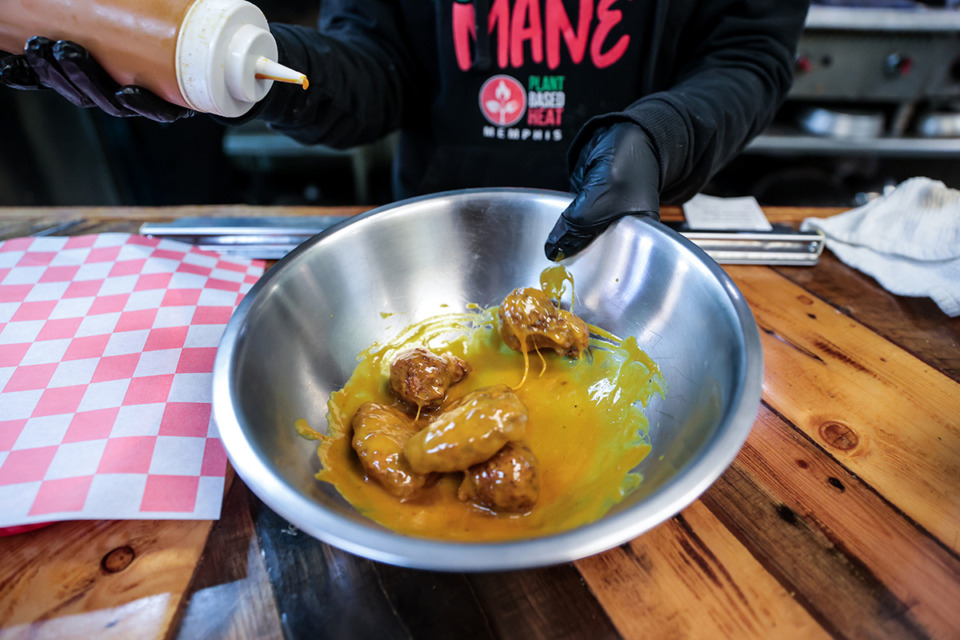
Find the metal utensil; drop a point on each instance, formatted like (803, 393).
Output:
(265, 237)
(295, 338)
(271, 238)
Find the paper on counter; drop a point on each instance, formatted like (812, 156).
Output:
(107, 345)
(711, 213)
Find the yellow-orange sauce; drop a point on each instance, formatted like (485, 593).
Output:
(586, 427)
(301, 80)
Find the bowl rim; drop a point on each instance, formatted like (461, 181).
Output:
(370, 540)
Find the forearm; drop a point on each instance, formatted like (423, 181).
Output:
(357, 79)
(727, 92)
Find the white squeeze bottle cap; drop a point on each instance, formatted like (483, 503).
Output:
(226, 57)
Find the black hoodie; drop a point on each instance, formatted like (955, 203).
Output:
(513, 106)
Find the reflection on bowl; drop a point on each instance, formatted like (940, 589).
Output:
(296, 336)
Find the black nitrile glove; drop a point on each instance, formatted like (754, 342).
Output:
(15, 72)
(617, 174)
(68, 69)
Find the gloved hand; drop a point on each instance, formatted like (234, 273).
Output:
(68, 69)
(616, 174)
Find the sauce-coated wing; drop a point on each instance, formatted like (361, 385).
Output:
(420, 377)
(379, 435)
(509, 481)
(530, 320)
(470, 431)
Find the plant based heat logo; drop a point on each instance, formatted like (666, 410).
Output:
(503, 100)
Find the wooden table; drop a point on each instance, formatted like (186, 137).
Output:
(840, 516)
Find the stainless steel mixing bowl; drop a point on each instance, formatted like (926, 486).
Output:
(295, 338)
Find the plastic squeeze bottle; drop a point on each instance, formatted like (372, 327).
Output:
(215, 56)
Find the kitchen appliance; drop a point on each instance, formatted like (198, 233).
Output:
(868, 74)
(871, 66)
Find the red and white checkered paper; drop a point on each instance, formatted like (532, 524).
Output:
(107, 345)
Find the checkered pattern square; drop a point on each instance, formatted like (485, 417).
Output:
(107, 344)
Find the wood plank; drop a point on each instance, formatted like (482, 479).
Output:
(321, 587)
(548, 603)
(231, 597)
(782, 215)
(915, 324)
(791, 216)
(22, 226)
(691, 578)
(98, 579)
(887, 416)
(159, 214)
(857, 564)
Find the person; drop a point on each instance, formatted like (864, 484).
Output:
(626, 103)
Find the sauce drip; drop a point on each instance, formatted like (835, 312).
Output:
(531, 321)
(553, 282)
(300, 80)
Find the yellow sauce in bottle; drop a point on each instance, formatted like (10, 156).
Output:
(586, 428)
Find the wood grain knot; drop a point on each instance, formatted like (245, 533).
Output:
(839, 436)
(787, 514)
(118, 559)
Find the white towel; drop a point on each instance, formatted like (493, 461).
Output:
(908, 240)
